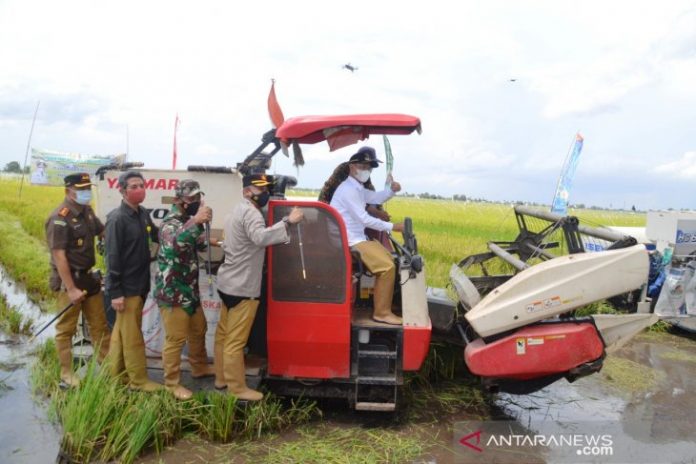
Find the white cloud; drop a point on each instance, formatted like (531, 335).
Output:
(615, 70)
(683, 168)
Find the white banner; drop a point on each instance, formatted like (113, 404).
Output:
(50, 167)
(153, 332)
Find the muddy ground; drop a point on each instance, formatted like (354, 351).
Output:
(648, 388)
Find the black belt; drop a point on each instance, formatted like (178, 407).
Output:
(233, 300)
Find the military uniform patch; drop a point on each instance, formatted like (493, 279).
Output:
(64, 211)
(58, 222)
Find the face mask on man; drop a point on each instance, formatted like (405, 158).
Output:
(362, 175)
(83, 197)
(261, 199)
(192, 208)
(135, 197)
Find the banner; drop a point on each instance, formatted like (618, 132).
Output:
(390, 162)
(565, 181)
(50, 167)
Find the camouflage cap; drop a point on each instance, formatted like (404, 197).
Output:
(187, 188)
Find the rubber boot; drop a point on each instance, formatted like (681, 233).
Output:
(176, 328)
(380, 263)
(198, 356)
(218, 363)
(384, 293)
(65, 359)
(93, 310)
(133, 346)
(235, 375)
(239, 322)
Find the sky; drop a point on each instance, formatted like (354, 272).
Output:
(501, 88)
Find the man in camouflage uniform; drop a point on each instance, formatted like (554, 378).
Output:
(70, 232)
(176, 286)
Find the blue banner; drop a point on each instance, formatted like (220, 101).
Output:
(565, 182)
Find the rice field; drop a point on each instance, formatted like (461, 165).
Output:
(447, 231)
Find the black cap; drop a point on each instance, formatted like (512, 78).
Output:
(365, 155)
(79, 179)
(258, 180)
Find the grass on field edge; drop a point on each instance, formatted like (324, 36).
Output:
(104, 421)
(26, 260)
(13, 321)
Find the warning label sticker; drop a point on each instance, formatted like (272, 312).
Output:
(521, 346)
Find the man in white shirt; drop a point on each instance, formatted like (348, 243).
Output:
(350, 199)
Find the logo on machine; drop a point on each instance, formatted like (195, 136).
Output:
(685, 236)
(150, 184)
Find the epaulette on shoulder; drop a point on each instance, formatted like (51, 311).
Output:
(63, 211)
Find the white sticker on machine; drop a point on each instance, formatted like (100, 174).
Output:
(521, 346)
(535, 341)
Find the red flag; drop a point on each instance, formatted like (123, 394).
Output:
(274, 111)
(176, 127)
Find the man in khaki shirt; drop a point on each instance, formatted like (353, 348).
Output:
(239, 281)
(70, 232)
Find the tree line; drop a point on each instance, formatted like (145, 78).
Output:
(15, 167)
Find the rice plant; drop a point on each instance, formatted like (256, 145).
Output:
(45, 372)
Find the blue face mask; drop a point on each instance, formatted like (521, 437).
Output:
(83, 197)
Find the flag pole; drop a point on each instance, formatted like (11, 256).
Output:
(26, 154)
(176, 127)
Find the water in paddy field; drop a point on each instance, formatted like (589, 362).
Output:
(26, 434)
(653, 416)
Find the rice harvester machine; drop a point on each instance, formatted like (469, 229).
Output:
(314, 335)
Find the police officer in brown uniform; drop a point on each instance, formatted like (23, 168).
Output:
(70, 232)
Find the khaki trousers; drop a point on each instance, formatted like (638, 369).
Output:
(231, 337)
(127, 351)
(93, 311)
(380, 263)
(180, 327)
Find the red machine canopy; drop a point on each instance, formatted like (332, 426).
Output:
(341, 131)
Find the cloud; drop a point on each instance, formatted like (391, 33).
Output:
(682, 168)
(622, 72)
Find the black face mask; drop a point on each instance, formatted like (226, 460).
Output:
(261, 199)
(192, 208)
